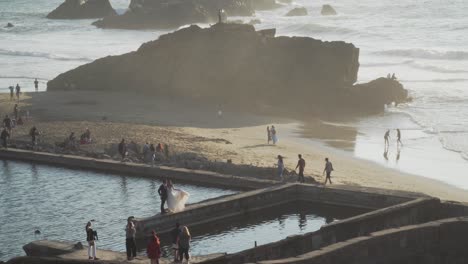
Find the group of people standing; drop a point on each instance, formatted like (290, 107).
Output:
(271, 135)
(17, 90)
(301, 166)
(387, 138)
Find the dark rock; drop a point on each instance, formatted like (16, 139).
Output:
(328, 10)
(82, 9)
(164, 14)
(242, 67)
(254, 22)
(298, 11)
(78, 246)
(9, 25)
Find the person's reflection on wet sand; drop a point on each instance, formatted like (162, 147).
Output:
(385, 154)
(398, 155)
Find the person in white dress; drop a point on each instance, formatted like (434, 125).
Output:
(176, 198)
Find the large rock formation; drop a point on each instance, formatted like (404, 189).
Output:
(164, 14)
(236, 65)
(82, 9)
(328, 10)
(298, 11)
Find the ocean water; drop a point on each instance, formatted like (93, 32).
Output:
(424, 42)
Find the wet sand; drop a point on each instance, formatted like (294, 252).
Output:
(192, 128)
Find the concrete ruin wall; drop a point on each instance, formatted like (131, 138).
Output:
(438, 242)
(176, 174)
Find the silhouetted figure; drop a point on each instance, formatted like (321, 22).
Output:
(399, 137)
(7, 123)
(12, 92)
(162, 191)
(301, 165)
(328, 169)
(386, 138)
(268, 135)
(122, 149)
(18, 91)
(393, 76)
(4, 136)
(15, 111)
(34, 133)
(36, 84)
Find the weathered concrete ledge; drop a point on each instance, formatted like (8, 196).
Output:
(239, 204)
(438, 242)
(162, 172)
(58, 252)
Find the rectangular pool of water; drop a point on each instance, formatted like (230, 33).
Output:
(59, 202)
(261, 227)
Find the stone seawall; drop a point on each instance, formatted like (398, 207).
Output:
(413, 212)
(162, 172)
(438, 242)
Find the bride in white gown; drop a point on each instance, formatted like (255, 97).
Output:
(176, 198)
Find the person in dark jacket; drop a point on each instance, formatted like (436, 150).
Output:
(184, 244)
(163, 195)
(91, 238)
(154, 248)
(175, 233)
(130, 243)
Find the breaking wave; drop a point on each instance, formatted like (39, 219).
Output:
(425, 54)
(42, 55)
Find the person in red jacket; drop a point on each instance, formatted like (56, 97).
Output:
(154, 249)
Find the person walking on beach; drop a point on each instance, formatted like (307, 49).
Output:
(12, 92)
(162, 191)
(280, 167)
(328, 169)
(399, 137)
(15, 111)
(36, 84)
(122, 149)
(274, 137)
(184, 244)
(153, 250)
(175, 234)
(18, 91)
(91, 238)
(386, 138)
(130, 243)
(4, 136)
(301, 165)
(268, 135)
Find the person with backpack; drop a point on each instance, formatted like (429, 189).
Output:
(91, 237)
(153, 250)
(328, 169)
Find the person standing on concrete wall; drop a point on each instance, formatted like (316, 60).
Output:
(130, 243)
(153, 250)
(280, 167)
(301, 165)
(328, 169)
(90, 237)
(175, 234)
(122, 149)
(184, 244)
(162, 191)
(4, 136)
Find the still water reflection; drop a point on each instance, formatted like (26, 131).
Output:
(59, 201)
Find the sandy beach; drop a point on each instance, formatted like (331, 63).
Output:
(190, 128)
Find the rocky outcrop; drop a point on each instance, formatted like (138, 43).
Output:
(264, 4)
(298, 11)
(165, 14)
(328, 10)
(236, 65)
(9, 25)
(82, 9)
